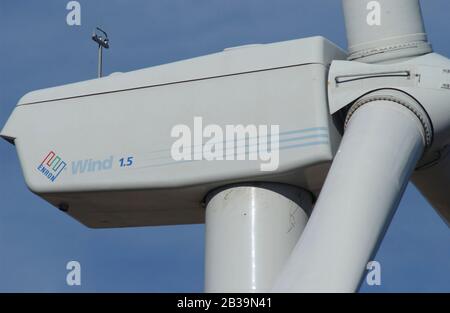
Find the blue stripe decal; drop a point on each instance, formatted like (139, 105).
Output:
(296, 146)
(281, 134)
(254, 145)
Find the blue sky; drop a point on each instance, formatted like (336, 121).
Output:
(38, 49)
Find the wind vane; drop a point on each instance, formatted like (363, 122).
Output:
(103, 42)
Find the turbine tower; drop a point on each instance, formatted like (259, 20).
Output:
(295, 154)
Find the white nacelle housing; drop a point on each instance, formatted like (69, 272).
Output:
(110, 150)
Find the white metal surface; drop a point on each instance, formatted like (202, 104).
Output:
(311, 50)
(399, 44)
(132, 115)
(99, 122)
(379, 150)
(425, 78)
(384, 29)
(250, 232)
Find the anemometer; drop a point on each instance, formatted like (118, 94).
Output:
(103, 42)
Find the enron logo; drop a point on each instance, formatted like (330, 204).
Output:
(52, 166)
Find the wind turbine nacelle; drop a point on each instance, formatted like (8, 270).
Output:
(145, 147)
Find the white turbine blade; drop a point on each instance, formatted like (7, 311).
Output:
(377, 155)
(384, 29)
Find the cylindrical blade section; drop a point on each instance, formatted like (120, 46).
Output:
(380, 148)
(384, 29)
